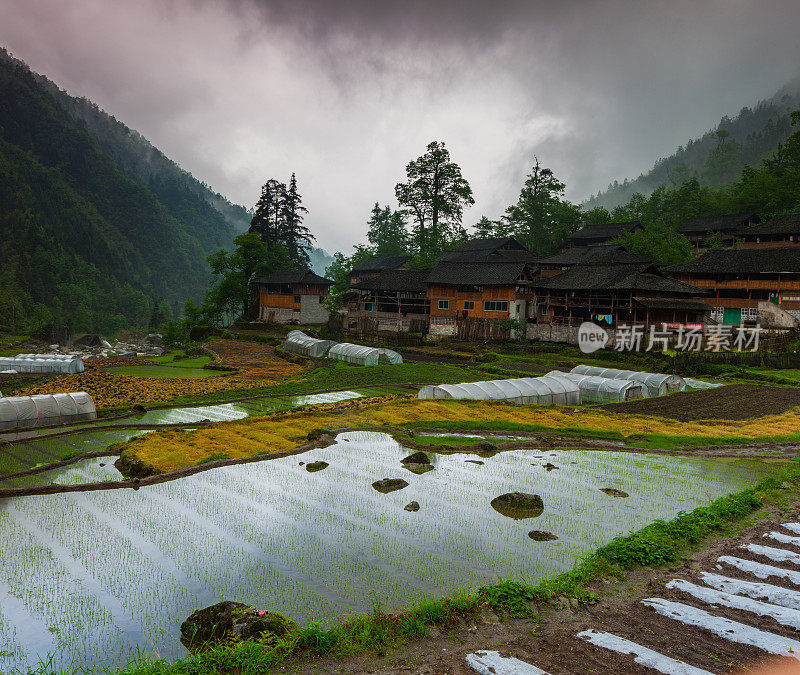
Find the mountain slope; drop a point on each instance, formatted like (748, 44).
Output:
(96, 225)
(756, 131)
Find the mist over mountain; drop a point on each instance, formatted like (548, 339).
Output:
(751, 135)
(97, 225)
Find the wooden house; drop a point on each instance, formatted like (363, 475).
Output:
(378, 265)
(780, 231)
(601, 233)
(293, 296)
(393, 300)
(738, 280)
(611, 254)
(613, 293)
(726, 229)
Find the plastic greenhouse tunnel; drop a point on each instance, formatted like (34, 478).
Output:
(300, 343)
(655, 384)
(595, 389)
(544, 390)
(45, 410)
(43, 363)
(361, 355)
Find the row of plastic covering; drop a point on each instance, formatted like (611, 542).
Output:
(45, 409)
(526, 390)
(700, 384)
(363, 356)
(655, 384)
(300, 343)
(42, 363)
(595, 389)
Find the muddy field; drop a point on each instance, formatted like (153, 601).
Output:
(732, 402)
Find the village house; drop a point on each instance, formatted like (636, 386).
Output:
(478, 290)
(609, 294)
(780, 231)
(743, 283)
(393, 300)
(579, 255)
(600, 234)
(500, 249)
(377, 265)
(293, 296)
(726, 230)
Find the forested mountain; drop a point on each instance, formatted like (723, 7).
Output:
(718, 156)
(96, 225)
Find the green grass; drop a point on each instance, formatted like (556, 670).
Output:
(458, 440)
(659, 543)
(172, 370)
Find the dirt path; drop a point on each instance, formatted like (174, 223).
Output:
(552, 645)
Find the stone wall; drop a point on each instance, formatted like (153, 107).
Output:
(312, 311)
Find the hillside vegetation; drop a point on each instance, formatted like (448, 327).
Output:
(96, 225)
(745, 139)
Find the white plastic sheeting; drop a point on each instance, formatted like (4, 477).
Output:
(655, 384)
(361, 355)
(300, 343)
(595, 389)
(42, 363)
(45, 409)
(700, 384)
(526, 390)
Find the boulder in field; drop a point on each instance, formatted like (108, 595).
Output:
(613, 492)
(389, 485)
(230, 621)
(541, 535)
(412, 506)
(316, 466)
(518, 505)
(416, 458)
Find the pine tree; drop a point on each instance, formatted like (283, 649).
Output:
(295, 236)
(387, 231)
(267, 221)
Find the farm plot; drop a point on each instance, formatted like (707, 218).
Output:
(256, 364)
(131, 565)
(732, 402)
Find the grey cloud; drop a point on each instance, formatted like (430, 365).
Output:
(346, 93)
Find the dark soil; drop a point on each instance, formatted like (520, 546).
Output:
(732, 402)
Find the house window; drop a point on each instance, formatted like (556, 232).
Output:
(369, 306)
(469, 304)
(297, 299)
(444, 304)
(495, 306)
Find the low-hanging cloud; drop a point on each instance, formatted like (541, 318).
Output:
(346, 93)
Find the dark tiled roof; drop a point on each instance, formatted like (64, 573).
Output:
(491, 244)
(402, 281)
(634, 277)
(505, 255)
(788, 223)
(575, 255)
(381, 263)
(477, 273)
(742, 261)
(674, 303)
(602, 231)
(727, 223)
(294, 277)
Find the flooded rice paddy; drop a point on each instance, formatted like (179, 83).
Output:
(95, 577)
(46, 446)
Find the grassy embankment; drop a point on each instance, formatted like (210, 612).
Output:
(168, 450)
(657, 544)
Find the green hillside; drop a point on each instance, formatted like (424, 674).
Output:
(96, 224)
(715, 159)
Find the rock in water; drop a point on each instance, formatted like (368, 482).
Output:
(474, 461)
(541, 535)
(416, 458)
(614, 492)
(550, 466)
(418, 468)
(389, 484)
(518, 505)
(316, 466)
(230, 621)
(412, 506)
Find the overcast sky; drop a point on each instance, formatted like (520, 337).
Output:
(346, 93)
